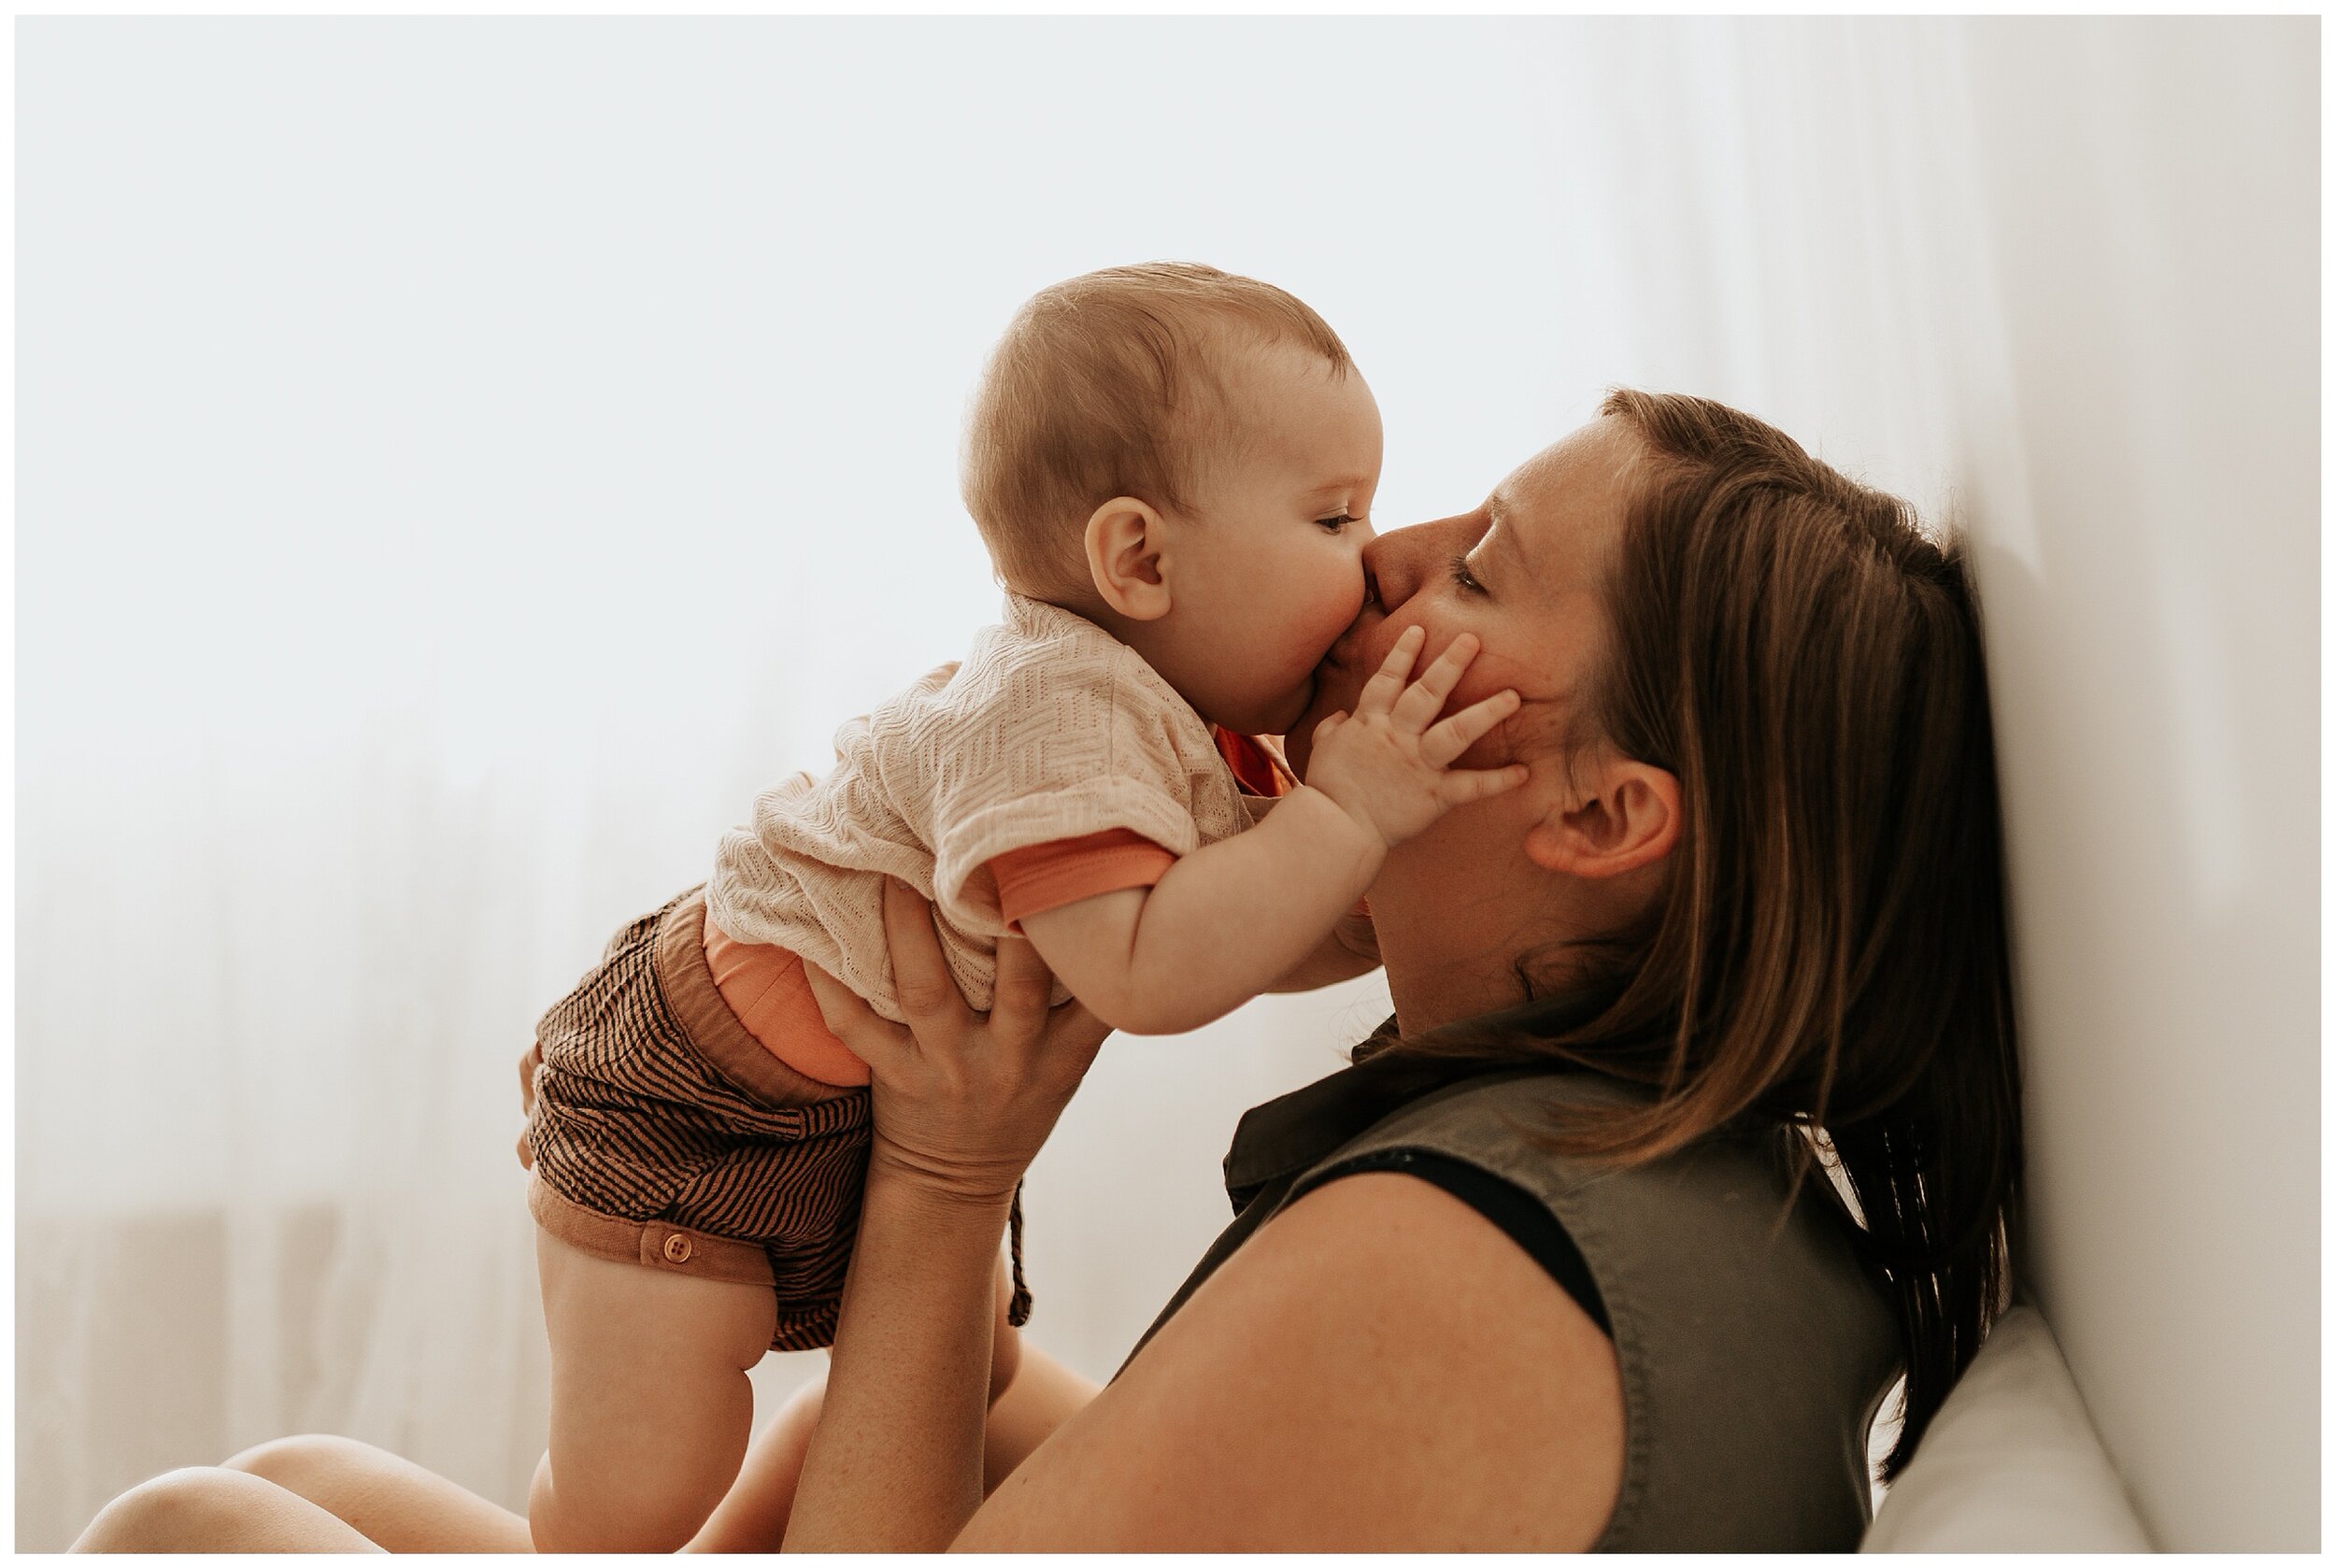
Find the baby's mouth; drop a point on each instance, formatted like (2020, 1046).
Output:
(1341, 654)
(1331, 673)
(1328, 680)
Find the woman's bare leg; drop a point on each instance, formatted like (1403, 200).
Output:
(754, 1516)
(1044, 1394)
(391, 1502)
(216, 1510)
(311, 1493)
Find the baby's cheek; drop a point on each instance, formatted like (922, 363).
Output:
(1311, 629)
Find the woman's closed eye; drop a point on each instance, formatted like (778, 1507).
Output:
(1464, 579)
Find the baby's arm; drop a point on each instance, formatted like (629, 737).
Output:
(1224, 922)
(1351, 949)
(1233, 918)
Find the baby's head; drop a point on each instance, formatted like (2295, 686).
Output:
(1187, 459)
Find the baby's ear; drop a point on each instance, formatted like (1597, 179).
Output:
(1127, 557)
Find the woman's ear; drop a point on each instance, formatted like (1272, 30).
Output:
(1127, 557)
(1626, 815)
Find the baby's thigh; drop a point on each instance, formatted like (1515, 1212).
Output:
(650, 1406)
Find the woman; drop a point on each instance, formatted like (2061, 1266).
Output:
(1554, 1264)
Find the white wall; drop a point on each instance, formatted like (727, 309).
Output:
(2060, 280)
(2152, 567)
(458, 460)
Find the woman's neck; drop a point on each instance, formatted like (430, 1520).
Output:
(1451, 922)
(1460, 906)
(1428, 998)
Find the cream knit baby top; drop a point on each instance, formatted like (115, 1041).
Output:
(1050, 728)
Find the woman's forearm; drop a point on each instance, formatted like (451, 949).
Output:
(895, 1464)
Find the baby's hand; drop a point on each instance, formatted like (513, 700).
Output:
(1386, 766)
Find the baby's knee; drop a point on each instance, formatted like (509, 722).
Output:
(589, 1503)
(181, 1510)
(586, 1520)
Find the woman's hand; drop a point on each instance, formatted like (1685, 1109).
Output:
(962, 1100)
(962, 1103)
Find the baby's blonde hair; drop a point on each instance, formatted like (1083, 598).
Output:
(1102, 386)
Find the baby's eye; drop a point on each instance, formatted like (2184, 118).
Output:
(1336, 526)
(1464, 579)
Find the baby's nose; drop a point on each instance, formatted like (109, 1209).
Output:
(1388, 575)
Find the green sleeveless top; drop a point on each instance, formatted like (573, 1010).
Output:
(1754, 1347)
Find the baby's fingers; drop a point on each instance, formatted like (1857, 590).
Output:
(1462, 786)
(1424, 698)
(1456, 735)
(1379, 693)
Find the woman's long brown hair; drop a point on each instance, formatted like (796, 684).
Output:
(1831, 954)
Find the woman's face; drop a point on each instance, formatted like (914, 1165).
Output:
(1522, 571)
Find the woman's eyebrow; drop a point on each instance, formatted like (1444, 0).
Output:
(1506, 533)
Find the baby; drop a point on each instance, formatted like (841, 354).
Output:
(1172, 468)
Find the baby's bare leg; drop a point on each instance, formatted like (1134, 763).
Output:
(650, 1407)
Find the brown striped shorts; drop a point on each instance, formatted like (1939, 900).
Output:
(664, 1135)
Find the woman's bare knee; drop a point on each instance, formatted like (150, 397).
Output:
(210, 1509)
(291, 1462)
(381, 1496)
(153, 1515)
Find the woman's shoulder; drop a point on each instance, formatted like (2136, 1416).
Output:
(1378, 1369)
(1753, 1343)
(1726, 1201)
(1750, 1347)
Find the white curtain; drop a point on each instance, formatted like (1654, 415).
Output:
(460, 462)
